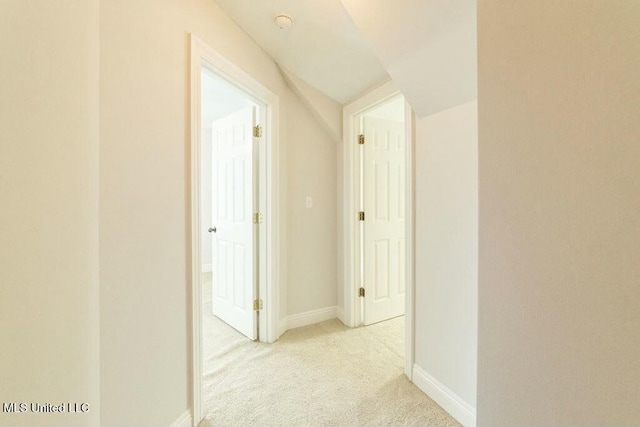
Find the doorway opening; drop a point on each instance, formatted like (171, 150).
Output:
(380, 187)
(378, 217)
(234, 123)
(229, 176)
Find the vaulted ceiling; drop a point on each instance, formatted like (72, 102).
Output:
(428, 47)
(344, 47)
(323, 47)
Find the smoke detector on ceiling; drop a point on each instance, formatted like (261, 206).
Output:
(284, 22)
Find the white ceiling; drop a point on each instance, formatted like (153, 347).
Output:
(323, 47)
(429, 47)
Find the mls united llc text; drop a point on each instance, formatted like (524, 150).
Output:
(21, 407)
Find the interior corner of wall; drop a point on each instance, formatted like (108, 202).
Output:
(457, 407)
(317, 104)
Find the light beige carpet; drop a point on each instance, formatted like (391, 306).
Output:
(318, 375)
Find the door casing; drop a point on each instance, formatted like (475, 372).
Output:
(203, 55)
(351, 313)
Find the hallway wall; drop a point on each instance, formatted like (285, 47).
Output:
(312, 232)
(446, 254)
(49, 209)
(559, 279)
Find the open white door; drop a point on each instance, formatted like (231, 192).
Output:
(384, 206)
(234, 194)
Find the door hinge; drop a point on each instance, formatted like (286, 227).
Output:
(257, 131)
(361, 139)
(257, 218)
(257, 304)
(361, 216)
(361, 292)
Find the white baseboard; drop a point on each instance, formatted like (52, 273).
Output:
(311, 317)
(184, 420)
(340, 314)
(207, 268)
(450, 402)
(307, 318)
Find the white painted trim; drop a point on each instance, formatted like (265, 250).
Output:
(450, 402)
(207, 268)
(311, 317)
(308, 318)
(340, 314)
(351, 313)
(183, 420)
(202, 54)
(409, 241)
(196, 284)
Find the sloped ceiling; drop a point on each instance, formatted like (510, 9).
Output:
(326, 110)
(323, 47)
(428, 47)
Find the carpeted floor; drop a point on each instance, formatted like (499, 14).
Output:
(319, 375)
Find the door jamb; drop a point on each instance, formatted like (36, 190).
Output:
(201, 53)
(352, 314)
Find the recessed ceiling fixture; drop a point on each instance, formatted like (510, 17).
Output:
(284, 22)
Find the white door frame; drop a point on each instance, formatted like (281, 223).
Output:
(352, 314)
(202, 54)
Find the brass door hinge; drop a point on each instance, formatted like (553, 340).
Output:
(361, 292)
(361, 139)
(257, 131)
(361, 216)
(257, 218)
(257, 304)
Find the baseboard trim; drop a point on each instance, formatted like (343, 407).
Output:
(207, 268)
(311, 317)
(184, 420)
(340, 314)
(450, 402)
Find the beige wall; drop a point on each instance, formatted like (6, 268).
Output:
(144, 190)
(446, 248)
(49, 196)
(559, 279)
(312, 232)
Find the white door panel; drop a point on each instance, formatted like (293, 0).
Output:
(233, 275)
(383, 234)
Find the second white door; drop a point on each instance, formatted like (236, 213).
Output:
(384, 206)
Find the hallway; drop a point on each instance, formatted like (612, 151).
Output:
(322, 374)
